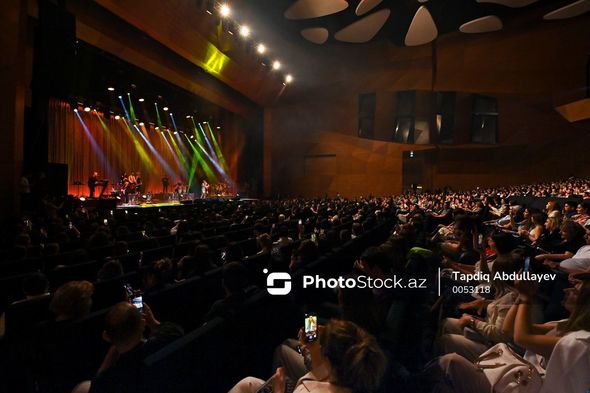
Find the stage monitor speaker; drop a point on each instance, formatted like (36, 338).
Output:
(57, 179)
(366, 115)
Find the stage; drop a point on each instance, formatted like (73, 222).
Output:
(116, 203)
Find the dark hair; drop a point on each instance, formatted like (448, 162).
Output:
(35, 284)
(504, 242)
(283, 231)
(122, 323)
(235, 277)
(264, 240)
(234, 252)
(358, 305)
(112, 268)
(73, 299)
(357, 361)
(575, 231)
(585, 207)
(538, 218)
(161, 270)
(374, 257)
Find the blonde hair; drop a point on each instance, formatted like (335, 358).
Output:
(357, 361)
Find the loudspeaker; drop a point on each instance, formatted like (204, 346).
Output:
(57, 179)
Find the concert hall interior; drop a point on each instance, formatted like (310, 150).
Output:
(187, 184)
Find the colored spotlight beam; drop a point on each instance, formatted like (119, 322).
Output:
(145, 158)
(162, 162)
(218, 151)
(95, 145)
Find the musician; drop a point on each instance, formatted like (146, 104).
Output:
(165, 182)
(178, 189)
(138, 182)
(130, 185)
(204, 189)
(92, 180)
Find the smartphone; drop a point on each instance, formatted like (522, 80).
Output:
(311, 327)
(300, 222)
(137, 301)
(129, 290)
(527, 264)
(314, 237)
(480, 240)
(105, 221)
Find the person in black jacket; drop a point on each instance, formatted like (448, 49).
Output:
(120, 370)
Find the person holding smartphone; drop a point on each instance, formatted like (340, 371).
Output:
(343, 359)
(124, 330)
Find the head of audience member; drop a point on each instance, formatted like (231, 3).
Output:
(112, 268)
(463, 231)
(306, 253)
(72, 300)
(375, 263)
(235, 278)
(353, 357)
(583, 208)
(99, 239)
(538, 219)
(345, 235)
(396, 248)
(358, 305)
(577, 301)
(357, 230)
(551, 206)
(35, 285)
(204, 257)
(569, 208)
(121, 231)
(51, 249)
(124, 326)
(158, 275)
(283, 232)
(234, 253)
(553, 222)
(505, 263)
(501, 243)
(265, 243)
(572, 232)
(187, 267)
(121, 247)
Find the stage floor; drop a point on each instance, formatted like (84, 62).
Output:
(148, 205)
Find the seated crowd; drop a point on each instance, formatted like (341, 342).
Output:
(83, 292)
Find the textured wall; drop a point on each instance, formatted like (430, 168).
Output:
(529, 68)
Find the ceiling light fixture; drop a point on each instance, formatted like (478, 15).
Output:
(224, 10)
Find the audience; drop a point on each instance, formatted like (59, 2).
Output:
(481, 231)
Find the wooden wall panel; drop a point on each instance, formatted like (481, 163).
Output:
(528, 69)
